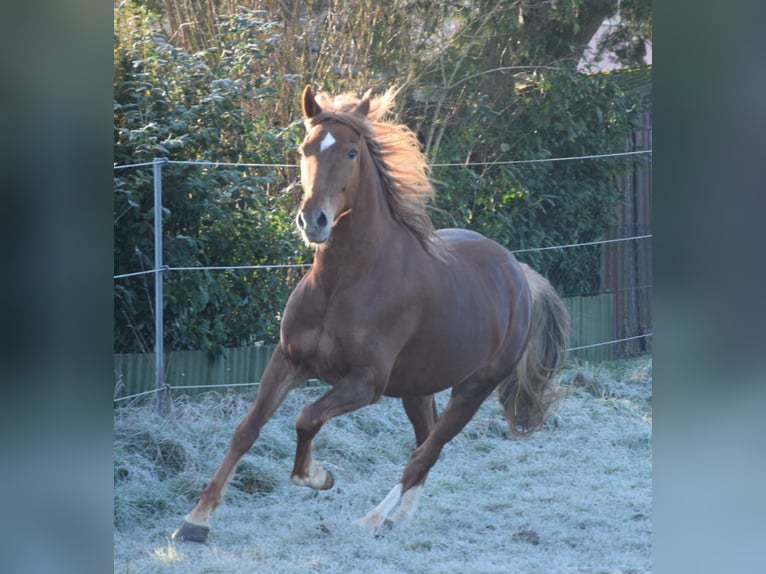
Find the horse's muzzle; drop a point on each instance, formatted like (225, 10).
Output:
(314, 225)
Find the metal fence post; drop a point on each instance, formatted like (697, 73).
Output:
(158, 266)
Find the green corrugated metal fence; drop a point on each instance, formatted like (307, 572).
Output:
(135, 372)
(592, 321)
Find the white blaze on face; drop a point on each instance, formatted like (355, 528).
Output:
(327, 142)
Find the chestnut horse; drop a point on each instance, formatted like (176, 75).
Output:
(393, 307)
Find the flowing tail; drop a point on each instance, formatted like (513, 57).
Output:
(529, 392)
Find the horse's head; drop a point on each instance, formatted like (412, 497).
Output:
(330, 160)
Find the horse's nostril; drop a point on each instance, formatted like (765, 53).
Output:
(322, 220)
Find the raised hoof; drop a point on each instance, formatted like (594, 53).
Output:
(189, 532)
(312, 481)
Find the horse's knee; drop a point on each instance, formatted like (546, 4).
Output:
(306, 426)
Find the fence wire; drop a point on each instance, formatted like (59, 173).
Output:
(257, 383)
(165, 268)
(166, 161)
(307, 265)
(167, 387)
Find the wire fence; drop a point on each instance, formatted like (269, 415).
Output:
(166, 388)
(159, 269)
(165, 161)
(166, 268)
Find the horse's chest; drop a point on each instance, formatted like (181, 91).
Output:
(325, 336)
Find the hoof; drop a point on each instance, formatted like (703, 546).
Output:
(189, 532)
(313, 480)
(328, 483)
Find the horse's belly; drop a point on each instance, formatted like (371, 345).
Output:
(442, 363)
(476, 321)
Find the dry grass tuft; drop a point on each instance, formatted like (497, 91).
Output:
(574, 497)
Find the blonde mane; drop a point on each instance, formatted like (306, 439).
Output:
(396, 154)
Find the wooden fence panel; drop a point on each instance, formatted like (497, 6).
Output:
(627, 266)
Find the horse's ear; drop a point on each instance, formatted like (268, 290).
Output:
(310, 105)
(363, 107)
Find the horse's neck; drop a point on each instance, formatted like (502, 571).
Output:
(365, 233)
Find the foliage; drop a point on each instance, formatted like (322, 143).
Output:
(176, 105)
(219, 81)
(559, 114)
(628, 41)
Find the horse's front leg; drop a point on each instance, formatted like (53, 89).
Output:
(351, 393)
(278, 379)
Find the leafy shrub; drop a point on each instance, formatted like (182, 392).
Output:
(561, 114)
(181, 106)
(229, 91)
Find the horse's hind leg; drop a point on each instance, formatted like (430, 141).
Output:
(401, 503)
(465, 401)
(278, 379)
(422, 414)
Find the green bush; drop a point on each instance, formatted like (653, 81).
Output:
(561, 114)
(181, 106)
(228, 91)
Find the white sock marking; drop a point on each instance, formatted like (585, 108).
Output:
(327, 142)
(377, 516)
(316, 479)
(408, 504)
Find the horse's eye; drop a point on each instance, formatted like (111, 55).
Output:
(352, 154)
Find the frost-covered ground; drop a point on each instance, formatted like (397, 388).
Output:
(574, 497)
